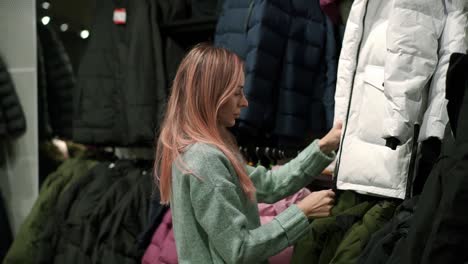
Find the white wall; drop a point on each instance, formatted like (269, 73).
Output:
(19, 176)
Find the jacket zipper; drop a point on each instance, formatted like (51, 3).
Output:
(337, 169)
(412, 164)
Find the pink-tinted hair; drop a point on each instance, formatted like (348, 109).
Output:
(206, 77)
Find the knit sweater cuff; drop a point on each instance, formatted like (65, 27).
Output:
(294, 223)
(313, 161)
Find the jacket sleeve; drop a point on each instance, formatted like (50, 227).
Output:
(274, 185)
(453, 40)
(217, 209)
(60, 82)
(10, 104)
(414, 29)
(348, 60)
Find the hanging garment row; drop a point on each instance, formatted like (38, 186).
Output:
(292, 108)
(266, 156)
(86, 212)
(91, 209)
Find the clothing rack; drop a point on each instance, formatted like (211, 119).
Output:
(270, 156)
(266, 156)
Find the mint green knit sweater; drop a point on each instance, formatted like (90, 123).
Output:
(215, 222)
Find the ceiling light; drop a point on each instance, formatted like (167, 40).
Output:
(46, 5)
(84, 34)
(64, 27)
(45, 20)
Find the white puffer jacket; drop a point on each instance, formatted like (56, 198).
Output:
(391, 75)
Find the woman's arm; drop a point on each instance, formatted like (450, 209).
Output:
(275, 185)
(220, 207)
(228, 217)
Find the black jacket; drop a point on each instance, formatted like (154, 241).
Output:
(391, 235)
(121, 88)
(12, 119)
(76, 204)
(99, 217)
(56, 82)
(119, 230)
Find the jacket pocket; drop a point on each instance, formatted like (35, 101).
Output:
(373, 106)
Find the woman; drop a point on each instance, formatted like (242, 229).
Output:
(213, 194)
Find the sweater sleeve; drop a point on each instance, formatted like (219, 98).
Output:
(218, 211)
(273, 186)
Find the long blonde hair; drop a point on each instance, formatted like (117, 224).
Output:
(205, 79)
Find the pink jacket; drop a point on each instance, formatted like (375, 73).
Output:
(269, 211)
(162, 249)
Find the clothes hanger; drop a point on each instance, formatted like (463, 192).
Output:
(257, 153)
(268, 156)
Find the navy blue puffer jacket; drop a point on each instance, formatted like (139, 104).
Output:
(290, 65)
(231, 29)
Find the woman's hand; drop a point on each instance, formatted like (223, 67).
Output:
(317, 204)
(331, 140)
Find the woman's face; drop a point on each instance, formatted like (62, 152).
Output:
(230, 110)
